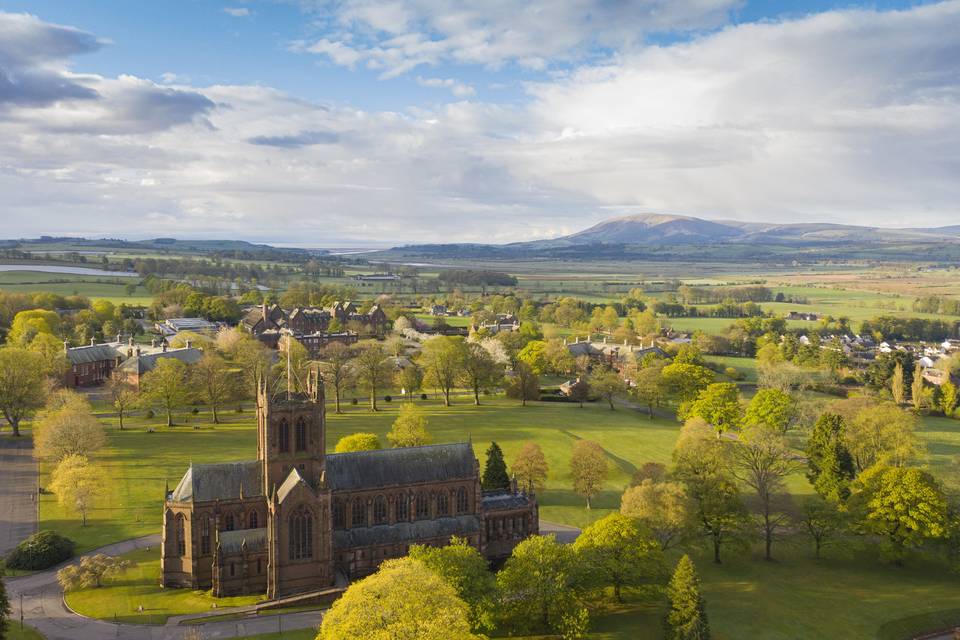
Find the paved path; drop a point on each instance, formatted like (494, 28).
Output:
(563, 533)
(18, 491)
(44, 610)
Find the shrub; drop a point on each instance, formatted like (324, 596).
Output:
(195, 410)
(354, 401)
(150, 414)
(387, 398)
(239, 409)
(423, 396)
(40, 551)
(733, 374)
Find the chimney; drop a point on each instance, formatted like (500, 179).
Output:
(263, 310)
(66, 347)
(119, 337)
(187, 344)
(130, 342)
(153, 343)
(163, 347)
(93, 341)
(137, 351)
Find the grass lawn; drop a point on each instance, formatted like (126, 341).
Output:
(27, 633)
(94, 287)
(746, 366)
(140, 586)
(299, 634)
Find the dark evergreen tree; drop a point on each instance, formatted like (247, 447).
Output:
(831, 467)
(495, 472)
(4, 606)
(686, 616)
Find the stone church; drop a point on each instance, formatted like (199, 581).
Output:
(296, 518)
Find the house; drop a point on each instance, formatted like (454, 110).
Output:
(142, 362)
(94, 363)
(503, 322)
(172, 326)
(438, 310)
(314, 343)
(295, 517)
(610, 353)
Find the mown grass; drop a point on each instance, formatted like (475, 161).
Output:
(139, 586)
(14, 632)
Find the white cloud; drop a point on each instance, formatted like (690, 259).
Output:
(237, 12)
(457, 88)
(846, 116)
(395, 37)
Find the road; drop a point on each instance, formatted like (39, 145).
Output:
(18, 491)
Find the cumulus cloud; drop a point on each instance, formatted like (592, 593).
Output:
(395, 36)
(237, 12)
(847, 116)
(457, 88)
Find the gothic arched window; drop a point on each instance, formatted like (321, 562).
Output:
(204, 535)
(301, 535)
(253, 520)
(359, 513)
(423, 506)
(443, 504)
(300, 441)
(228, 522)
(462, 503)
(284, 436)
(181, 533)
(379, 510)
(403, 508)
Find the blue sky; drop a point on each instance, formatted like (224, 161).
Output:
(436, 120)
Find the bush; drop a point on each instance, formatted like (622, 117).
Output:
(733, 374)
(40, 551)
(387, 398)
(150, 414)
(423, 396)
(354, 401)
(195, 411)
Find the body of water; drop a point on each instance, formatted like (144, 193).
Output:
(76, 271)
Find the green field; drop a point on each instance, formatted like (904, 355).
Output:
(94, 287)
(848, 595)
(27, 633)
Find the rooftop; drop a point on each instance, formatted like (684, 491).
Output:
(408, 465)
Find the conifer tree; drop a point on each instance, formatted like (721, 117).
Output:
(916, 389)
(897, 385)
(686, 617)
(495, 472)
(831, 464)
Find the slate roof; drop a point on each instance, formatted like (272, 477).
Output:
(505, 500)
(146, 362)
(409, 465)
(232, 541)
(206, 482)
(404, 532)
(94, 353)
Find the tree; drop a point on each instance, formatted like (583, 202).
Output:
(410, 428)
(4, 606)
(904, 505)
(27, 324)
(442, 360)
(579, 391)
(821, 519)
(614, 552)
(649, 388)
(897, 386)
(464, 569)
(702, 463)
(358, 442)
(882, 434)
(213, 381)
(524, 384)
(410, 378)
(122, 396)
(251, 356)
(411, 603)
(661, 507)
(90, 572)
(831, 467)
(22, 385)
(530, 467)
(686, 614)
(51, 349)
(557, 357)
(533, 355)
(76, 484)
(916, 389)
(67, 427)
(588, 468)
(337, 370)
(948, 398)
(684, 381)
(166, 384)
(479, 371)
(719, 405)
(762, 461)
(373, 370)
(771, 407)
(495, 476)
(538, 585)
(608, 385)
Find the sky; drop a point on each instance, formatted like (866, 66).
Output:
(387, 122)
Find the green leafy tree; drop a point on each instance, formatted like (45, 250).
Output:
(67, 427)
(77, 484)
(897, 384)
(772, 407)
(905, 505)
(373, 370)
(719, 405)
(337, 370)
(122, 396)
(358, 442)
(530, 467)
(649, 388)
(495, 470)
(167, 385)
(948, 398)
(615, 552)
(23, 387)
(917, 389)
(26, 325)
(214, 382)
(442, 361)
(524, 385)
(588, 468)
(411, 603)
(686, 613)
(608, 385)
(410, 428)
(538, 586)
(467, 571)
(579, 391)
(830, 465)
(479, 371)
(822, 520)
(51, 349)
(534, 356)
(410, 378)
(91, 572)
(883, 434)
(663, 508)
(684, 381)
